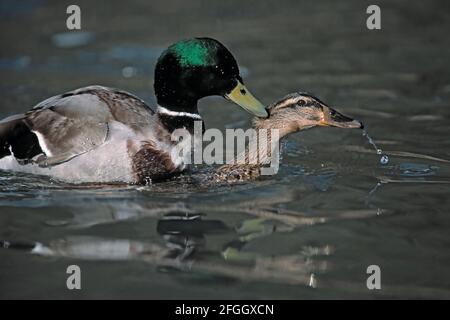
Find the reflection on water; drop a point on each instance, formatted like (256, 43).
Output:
(184, 232)
(312, 230)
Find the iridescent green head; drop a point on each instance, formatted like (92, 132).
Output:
(195, 52)
(195, 68)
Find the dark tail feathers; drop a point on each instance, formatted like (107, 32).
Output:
(16, 137)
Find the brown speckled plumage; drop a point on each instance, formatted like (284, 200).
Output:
(237, 173)
(150, 164)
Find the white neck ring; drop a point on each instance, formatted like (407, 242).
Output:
(162, 110)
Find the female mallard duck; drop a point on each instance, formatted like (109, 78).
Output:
(295, 112)
(99, 134)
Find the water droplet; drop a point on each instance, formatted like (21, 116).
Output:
(384, 159)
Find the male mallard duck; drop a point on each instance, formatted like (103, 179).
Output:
(295, 112)
(100, 134)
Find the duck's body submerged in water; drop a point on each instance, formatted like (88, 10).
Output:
(294, 113)
(103, 135)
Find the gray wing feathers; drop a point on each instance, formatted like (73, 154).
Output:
(12, 119)
(65, 137)
(76, 122)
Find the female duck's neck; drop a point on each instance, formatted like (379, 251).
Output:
(260, 148)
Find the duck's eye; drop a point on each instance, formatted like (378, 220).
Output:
(301, 103)
(243, 92)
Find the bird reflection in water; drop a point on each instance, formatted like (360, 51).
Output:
(183, 247)
(188, 238)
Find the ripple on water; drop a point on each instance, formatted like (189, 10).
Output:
(72, 39)
(415, 170)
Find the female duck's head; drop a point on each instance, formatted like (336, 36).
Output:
(299, 111)
(192, 69)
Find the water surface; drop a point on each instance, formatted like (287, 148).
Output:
(309, 232)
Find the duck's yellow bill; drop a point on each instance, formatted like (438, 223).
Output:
(243, 98)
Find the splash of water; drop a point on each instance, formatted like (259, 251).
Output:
(384, 158)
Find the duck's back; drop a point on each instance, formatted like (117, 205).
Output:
(79, 136)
